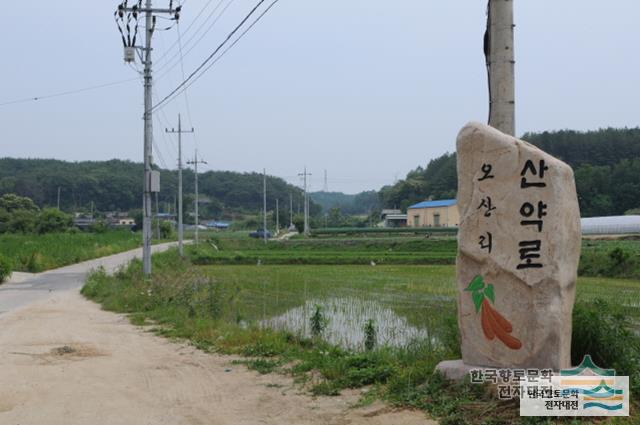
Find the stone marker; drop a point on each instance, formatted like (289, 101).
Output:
(518, 251)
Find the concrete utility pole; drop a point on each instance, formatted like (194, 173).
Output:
(306, 202)
(180, 224)
(264, 204)
(195, 162)
(326, 182)
(290, 210)
(499, 52)
(58, 198)
(151, 179)
(277, 216)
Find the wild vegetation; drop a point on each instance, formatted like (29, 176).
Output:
(36, 253)
(381, 328)
(21, 215)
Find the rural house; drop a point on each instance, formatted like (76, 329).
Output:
(443, 213)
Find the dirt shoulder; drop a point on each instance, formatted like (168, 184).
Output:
(64, 361)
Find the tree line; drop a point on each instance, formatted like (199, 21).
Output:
(606, 164)
(116, 185)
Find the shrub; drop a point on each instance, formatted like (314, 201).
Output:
(166, 230)
(601, 330)
(98, 227)
(5, 268)
(51, 220)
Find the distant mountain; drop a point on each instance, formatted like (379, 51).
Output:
(117, 185)
(361, 203)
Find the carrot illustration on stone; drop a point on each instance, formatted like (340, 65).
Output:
(493, 323)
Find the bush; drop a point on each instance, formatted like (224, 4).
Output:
(51, 220)
(166, 230)
(601, 330)
(98, 227)
(618, 262)
(5, 268)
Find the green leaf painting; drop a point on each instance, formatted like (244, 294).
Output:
(489, 293)
(478, 297)
(476, 284)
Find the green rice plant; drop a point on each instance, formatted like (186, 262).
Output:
(370, 335)
(318, 321)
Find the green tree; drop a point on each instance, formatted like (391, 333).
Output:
(51, 220)
(12, 202)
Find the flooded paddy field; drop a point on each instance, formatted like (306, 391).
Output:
(407, 304)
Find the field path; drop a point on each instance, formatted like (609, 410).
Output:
(64, 361)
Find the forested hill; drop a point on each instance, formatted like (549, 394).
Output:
(116, 185)
(361, 203)
(606, 163)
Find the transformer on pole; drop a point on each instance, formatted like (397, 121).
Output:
(127, 21)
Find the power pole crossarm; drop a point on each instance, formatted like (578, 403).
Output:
(180, 132)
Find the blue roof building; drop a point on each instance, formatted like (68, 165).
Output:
(441, 213)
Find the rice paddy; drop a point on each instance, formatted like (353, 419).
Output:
(350, 323)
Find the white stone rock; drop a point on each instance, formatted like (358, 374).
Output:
(532, 289)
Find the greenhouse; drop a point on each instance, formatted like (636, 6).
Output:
(615, 225)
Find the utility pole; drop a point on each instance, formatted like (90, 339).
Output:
(180, 225)
(290, 210)
(264, 204)
(306, 202)
(499, 53)
(277, 216)
(326, 182)
(58, 198)
(195, 162)
(151, 178)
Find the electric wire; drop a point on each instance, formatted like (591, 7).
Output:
(66, 93)
(188, 82)
(186, 95)
(161, 57)
(178, 57)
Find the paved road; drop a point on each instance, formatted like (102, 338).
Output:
(38, 287)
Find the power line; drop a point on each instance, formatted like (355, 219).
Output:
(186, 95)
(203, 64)
(179, 55)
(187, 30)
(66, 93)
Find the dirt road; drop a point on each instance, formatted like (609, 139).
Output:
(64, 361)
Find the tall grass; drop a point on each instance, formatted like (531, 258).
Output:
(36, 253)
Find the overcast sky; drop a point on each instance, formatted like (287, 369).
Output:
(366, 89)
